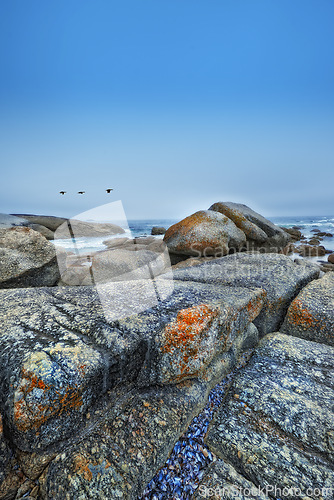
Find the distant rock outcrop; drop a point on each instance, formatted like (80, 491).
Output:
(156, 230)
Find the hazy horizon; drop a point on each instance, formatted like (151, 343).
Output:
(175, 105)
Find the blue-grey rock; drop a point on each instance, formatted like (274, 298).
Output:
(279, 277)
(61, 349)
(276, 426)
(222, 481)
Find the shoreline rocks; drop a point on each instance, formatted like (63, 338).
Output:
(98, 382)
(276, 425)
(261, 233)
(27, 259)
(311, 314)
(204, 233)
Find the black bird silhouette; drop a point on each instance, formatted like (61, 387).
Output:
(62, 192)
(108, 190)
(81, 192)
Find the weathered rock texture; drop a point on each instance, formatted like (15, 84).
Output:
(276, 425)
(277, 275)
(261, 234)
(158, 230)
(311, 314)
(204, 233)
(222, 481)
(59, 353)
(26, 259)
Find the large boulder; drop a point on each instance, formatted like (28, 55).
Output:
(128, 263)
(261, 233)
(27, 259)
(276, 425)
(311, 314)
(62, 349)
(204, 233)
(43, 230)
(279, 277)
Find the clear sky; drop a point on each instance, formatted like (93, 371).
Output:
(176, 104)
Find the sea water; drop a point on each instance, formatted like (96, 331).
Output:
(137, 228)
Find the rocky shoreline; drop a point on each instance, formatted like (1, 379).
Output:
(101, 375)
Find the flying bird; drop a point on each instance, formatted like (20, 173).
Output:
(81, 192)
(108, 190)
(62, 192)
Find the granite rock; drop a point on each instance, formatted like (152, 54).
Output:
(276, 424)
(222, 481)
(130, 263)
(27, 259)
(204, 233)
(277, 275)
(261, 233)
(61, 349)
(158, 230)
(48, 221)
(311, 314)
(122, 453)
(73, 228)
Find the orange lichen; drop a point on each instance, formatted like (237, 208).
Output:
(300, 315)
(29, 417)
(254, 307)
(185, 333)
(195, 236)
(83, 466)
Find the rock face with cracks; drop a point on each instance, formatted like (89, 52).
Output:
(276, 425)
(59, 353)
(277, 275)
(260, 232)
(98, 383)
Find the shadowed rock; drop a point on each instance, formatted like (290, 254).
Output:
(311, 314)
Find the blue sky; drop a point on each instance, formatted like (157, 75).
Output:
(175, 104)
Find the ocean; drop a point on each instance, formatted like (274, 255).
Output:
(136, 228)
